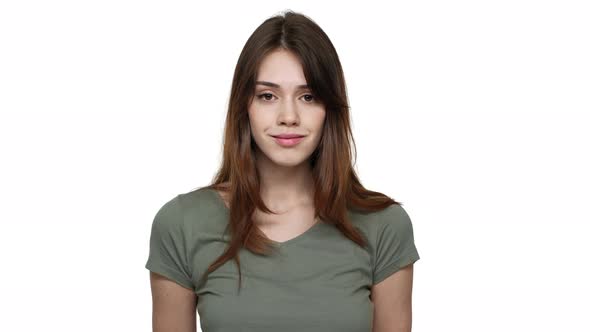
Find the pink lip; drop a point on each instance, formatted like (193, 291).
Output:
(288, 141)
(287, 135)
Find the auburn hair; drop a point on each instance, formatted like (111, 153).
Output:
(337, 187)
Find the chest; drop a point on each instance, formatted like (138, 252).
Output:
(318, 282)
(286, 226)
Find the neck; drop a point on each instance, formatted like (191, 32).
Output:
(283, 187)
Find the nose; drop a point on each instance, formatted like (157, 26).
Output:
(288, 114)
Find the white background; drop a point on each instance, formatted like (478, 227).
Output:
(473, 114)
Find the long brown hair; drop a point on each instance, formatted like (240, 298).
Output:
(337, 187)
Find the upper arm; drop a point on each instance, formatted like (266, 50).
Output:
(174, 298)
(394, 256)
(173, 306)
(392, 302)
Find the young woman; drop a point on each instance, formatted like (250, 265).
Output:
(285, 238)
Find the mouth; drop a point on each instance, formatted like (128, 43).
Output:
(285, 136)
(288, 140)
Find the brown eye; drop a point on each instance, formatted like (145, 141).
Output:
(264, 95)
(308, 95)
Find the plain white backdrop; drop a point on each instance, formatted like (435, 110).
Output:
(473, 114)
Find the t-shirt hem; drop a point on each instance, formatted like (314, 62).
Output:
(395, 266)
(170, 274)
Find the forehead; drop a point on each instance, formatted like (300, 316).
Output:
(281, 67)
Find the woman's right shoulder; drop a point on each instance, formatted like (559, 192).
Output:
(203, 201)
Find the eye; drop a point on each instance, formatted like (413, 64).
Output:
(309, 95)
(264, 95)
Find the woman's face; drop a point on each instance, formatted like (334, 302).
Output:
(281, 106)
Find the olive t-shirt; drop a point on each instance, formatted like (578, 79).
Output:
(317, 281)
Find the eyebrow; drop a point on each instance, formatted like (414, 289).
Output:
(274, 85)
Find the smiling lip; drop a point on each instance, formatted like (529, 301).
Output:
(287, 135)
(287, 142)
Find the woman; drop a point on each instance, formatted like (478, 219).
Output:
(285, 238)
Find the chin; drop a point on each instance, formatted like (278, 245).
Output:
(285, 159)
(285, 162)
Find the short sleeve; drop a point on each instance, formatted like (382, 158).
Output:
(168, 245)
(394, 247)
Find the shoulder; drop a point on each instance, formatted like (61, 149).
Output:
(392, 217)
(200, 199)
(203, 211)
(391, 241)
(187, 210)
(169, 213)
(386, 228)
(394, 222)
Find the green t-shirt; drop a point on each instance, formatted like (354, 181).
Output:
(317, 281)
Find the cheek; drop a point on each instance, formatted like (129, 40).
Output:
(252, 115)
(318, 119)
(258, 120)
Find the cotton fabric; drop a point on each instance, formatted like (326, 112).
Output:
(317, 281)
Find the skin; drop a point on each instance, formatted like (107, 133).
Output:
(286, 188)
(392, 302)
(285, 173)
(173, 306)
